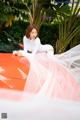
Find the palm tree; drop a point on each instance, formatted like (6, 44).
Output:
(68, 27)
(37, 11)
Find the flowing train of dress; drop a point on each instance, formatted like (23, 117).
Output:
(52, 89)
(48, 76)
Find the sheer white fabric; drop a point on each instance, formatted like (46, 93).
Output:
(71, 59)
(52, 80)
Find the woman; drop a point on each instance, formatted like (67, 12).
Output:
(31, 41)
(32, 44)
(54, 75)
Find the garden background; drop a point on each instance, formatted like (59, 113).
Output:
(58, 21)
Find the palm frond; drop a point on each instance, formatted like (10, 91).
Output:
(68, 29)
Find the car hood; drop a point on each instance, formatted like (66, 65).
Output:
(13, 71)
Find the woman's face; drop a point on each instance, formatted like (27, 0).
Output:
(33, 34)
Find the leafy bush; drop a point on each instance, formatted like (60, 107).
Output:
(49, 33)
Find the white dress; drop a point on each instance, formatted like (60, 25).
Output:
(34, 46)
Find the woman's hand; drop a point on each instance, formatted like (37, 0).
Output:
(18, 53)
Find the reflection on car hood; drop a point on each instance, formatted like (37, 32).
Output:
(13, 71)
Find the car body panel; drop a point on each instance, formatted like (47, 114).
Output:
(13, 71)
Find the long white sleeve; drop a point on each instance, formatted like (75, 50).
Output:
(37, 46)
(25, 43)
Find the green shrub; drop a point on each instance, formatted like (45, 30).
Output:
(49, 33)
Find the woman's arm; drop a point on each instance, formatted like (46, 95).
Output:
(37, 46)
(25, 44)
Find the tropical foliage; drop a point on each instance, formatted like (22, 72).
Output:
(34, 11)
(38, 12)
(68, 28)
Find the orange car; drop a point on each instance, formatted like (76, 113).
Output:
(13, 71)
